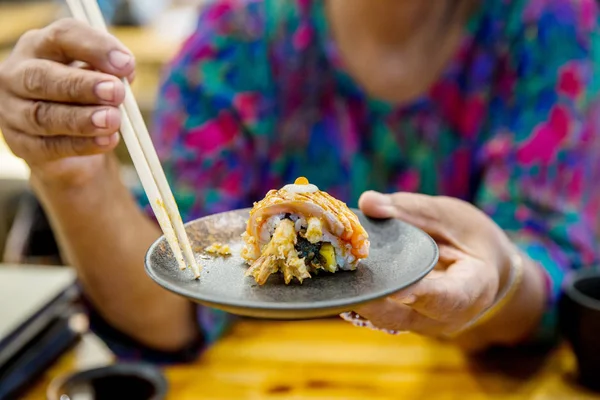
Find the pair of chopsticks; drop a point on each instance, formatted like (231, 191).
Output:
(144, 157)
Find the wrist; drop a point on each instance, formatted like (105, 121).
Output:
(517, 318)
(81, 193)
(73, 175)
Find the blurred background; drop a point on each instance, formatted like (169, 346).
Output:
(153, 30)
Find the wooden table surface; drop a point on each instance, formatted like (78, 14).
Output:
(329, 359)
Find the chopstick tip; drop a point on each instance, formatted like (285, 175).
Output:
(196, 268)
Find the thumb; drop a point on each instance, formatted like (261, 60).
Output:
(377, 205)
(423, 211)
(417, 209)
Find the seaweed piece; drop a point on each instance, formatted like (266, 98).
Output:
(308, 251)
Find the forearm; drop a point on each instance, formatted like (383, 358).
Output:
(517, 320)
(104, 235)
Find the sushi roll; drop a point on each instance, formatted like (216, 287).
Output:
(300, 231)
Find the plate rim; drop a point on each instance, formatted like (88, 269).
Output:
(304, 306)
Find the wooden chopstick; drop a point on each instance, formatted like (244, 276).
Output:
(144, 157)
(135, 115)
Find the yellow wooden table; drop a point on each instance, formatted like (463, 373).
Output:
(329, 359)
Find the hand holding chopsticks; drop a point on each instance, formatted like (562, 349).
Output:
(144, 157)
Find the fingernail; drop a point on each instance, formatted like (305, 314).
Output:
(100, 119)
(102, 140)
(408, 300)
(106, 91)
(119, 59)
(383, 203)
(382, 199)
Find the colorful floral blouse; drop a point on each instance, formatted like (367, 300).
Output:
(258, 96)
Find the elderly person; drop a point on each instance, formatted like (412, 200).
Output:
(474, 120)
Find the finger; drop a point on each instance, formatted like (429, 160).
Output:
(391, 316)
(69, 40)
(43, 150)
(48, 80)
(131, 77)
(87, 67)
(418, 209)
(454, 296)
(453, 220)
(376, 205)
(426, 212)
(41, 118)
(448, 255)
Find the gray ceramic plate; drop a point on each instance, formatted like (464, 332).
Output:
(400, 255)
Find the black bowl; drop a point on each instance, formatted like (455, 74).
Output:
(119, 381)
(579, 313)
